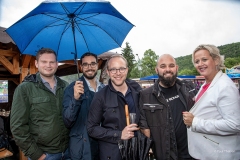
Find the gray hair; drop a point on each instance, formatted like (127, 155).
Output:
(214, 53)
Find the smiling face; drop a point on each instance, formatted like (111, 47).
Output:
(205, 64)
(118, 78)
(167, 70)
(47, 65)
(89, 67)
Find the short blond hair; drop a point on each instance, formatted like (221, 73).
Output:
(119, 56)
(214, 53)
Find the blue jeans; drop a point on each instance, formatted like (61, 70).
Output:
(57, 156)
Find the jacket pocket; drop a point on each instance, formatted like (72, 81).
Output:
(154, 114)
(37, 100)
(41, 106)
(76, 143)
(211, 140)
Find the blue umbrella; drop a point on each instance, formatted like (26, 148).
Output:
(70, 28)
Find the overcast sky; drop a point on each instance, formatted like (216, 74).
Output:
(176, 27)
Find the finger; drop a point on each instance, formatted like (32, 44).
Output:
(132, 125)
(134, 129)
(77, 82)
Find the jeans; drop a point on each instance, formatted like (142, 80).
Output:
(57, 156)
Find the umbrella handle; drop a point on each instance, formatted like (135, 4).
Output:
(127, 114)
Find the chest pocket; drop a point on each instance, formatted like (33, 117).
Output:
(37, 100)
(154, 114)
(41, 105)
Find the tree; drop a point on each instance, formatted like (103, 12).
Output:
(231, 62)
(148, 63)
(128, 54)
(188, 72)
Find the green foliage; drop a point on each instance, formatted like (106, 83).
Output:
(135, 72)
(231, 62)
(128, 54)
(148, 63)
(188, 72)
(185, 64)
(71, 78)
(74, 77)
(230, 50)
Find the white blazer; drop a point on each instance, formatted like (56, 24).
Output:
(215, 131)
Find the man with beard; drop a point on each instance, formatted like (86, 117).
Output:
(76, 102)
(161, 107)
(107, 119)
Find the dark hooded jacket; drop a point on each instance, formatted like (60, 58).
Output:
(107, 119)
(156, 116)
(36, 118)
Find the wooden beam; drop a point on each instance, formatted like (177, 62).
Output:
(68, 62)
(16, 81)
(26, 60)
(8, 53)
(7, 64)
(32, 68)
(16, 69)
(23, 74)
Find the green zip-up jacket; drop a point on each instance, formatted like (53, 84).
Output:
(36, 118)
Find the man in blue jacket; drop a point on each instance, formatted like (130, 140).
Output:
(76, 102)
(107, 119)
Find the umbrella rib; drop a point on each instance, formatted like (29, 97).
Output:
(79, 30)
(98, 27)
(84, 19)
(39, 32)
(82, 5)
(65, 28)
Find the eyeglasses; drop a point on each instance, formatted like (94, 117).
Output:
(114, 70)
(93, 64)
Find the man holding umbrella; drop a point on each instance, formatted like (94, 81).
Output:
(76, 102)
(36, 122)
(107, 119)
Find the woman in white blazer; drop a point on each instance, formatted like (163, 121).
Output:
(214, 121)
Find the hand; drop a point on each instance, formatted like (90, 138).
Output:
(43, 156)
(78, 89)
(128, 131)
(146, 132)
(188, 118)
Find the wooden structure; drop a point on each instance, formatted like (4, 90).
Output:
(14, 66)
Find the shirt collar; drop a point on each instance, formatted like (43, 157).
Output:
(44, 81)
(89, 86)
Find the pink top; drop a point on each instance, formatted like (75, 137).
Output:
(204, 88)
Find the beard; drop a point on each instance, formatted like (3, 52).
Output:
(90, 77)
(168, 81)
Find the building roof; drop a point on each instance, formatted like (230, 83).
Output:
(4, 37)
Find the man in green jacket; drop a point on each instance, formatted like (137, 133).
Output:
(36, 115)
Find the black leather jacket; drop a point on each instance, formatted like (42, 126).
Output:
(156, 116)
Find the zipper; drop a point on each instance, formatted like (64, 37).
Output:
(211, 140)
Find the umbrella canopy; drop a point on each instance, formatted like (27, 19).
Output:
(151, 77)
(70, 27)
